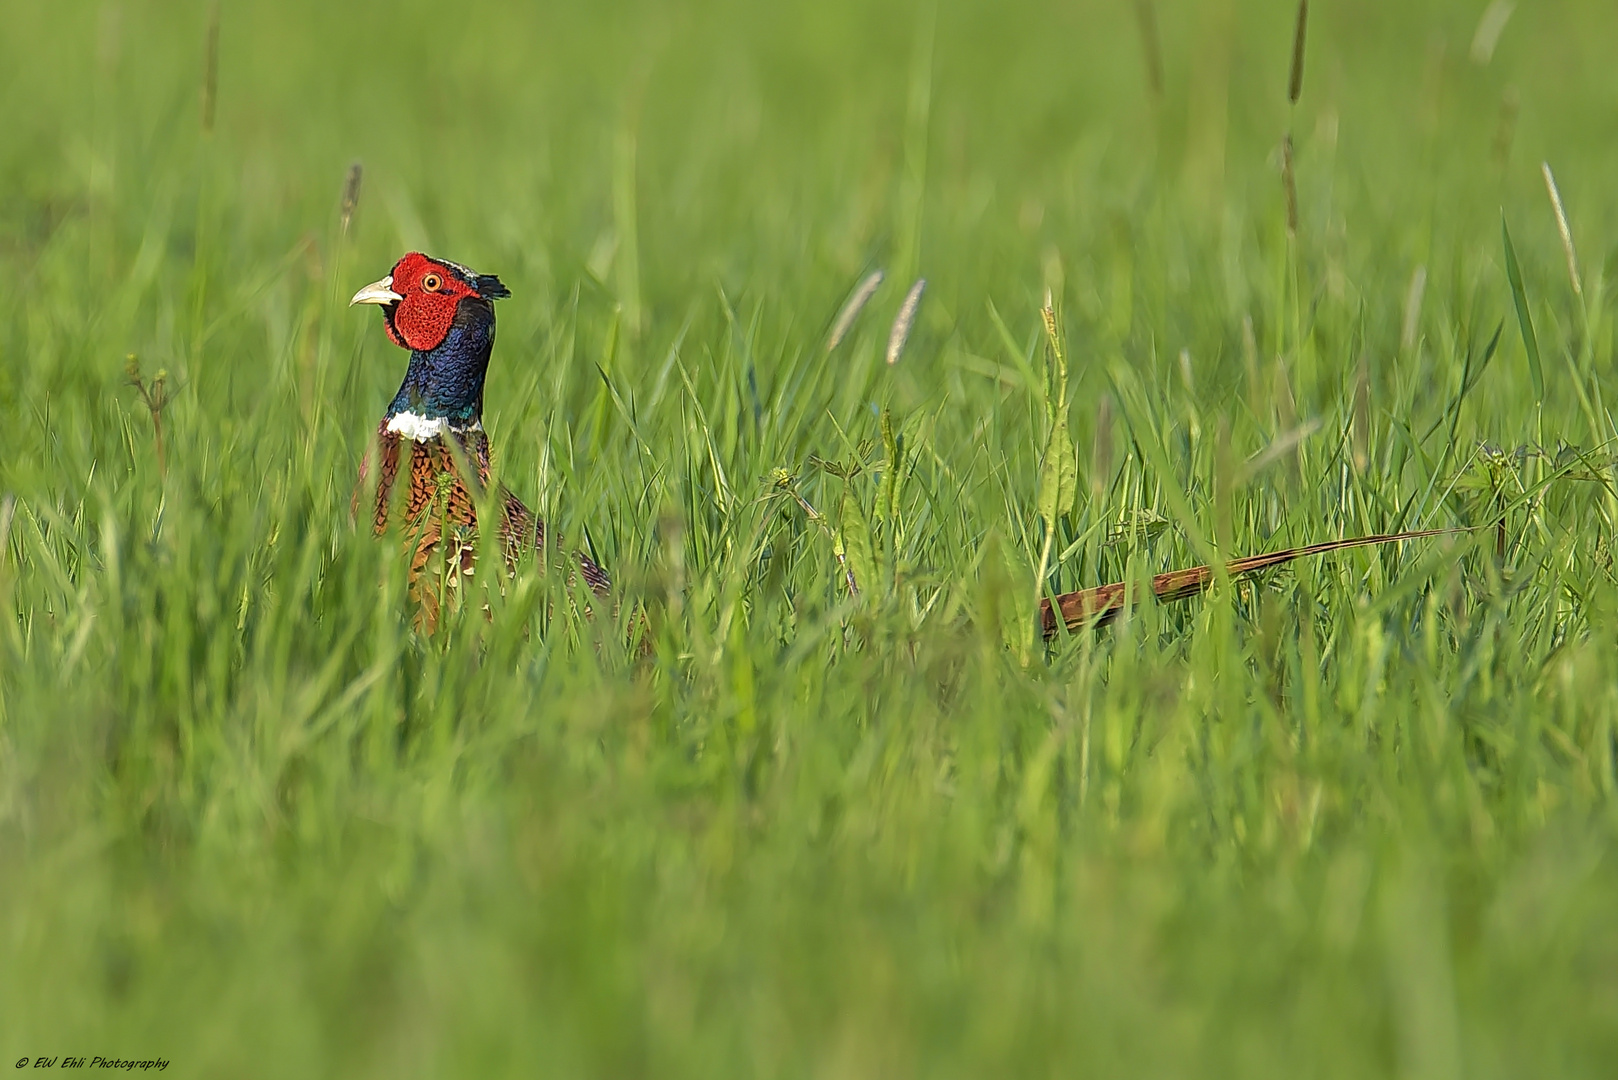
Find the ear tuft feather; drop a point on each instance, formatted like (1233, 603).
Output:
(488, 286)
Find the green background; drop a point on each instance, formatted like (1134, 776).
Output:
(1354, 819)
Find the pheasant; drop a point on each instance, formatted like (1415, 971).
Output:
(444, 314)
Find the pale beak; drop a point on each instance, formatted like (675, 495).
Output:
(378, 292)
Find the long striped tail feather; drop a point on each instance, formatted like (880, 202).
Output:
(1102, 604)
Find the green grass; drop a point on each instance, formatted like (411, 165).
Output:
(1356, 819)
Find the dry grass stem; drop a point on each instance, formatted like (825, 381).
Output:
(1505, 132)
(1152, 46)
(1289, 185)
(155, 396)
(351, 195)
(1413, 300)
(1286, 413)
(1361, 436)
(1300, 35)
(8, 511)
(1285, 446)
(1101, 455)
(1055, 276)
(1562, 227)
(1494, 20)
(1250, 362)
(210, 70)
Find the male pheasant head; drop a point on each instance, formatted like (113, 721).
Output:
(444, 314)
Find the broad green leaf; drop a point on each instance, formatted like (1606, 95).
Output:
(1058, 475)
(1059, 469)
(854, 532)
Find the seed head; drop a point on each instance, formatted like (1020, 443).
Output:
(906, 318)
(851, 309)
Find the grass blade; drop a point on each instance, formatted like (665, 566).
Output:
(1525, 321)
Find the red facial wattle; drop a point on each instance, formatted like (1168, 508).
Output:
(429, 294)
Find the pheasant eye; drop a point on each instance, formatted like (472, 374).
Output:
(431, 282)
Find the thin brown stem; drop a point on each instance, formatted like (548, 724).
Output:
(155, 396)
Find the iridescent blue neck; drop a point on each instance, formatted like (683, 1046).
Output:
(446, 383)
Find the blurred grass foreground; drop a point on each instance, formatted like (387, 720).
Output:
(1354, 818)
